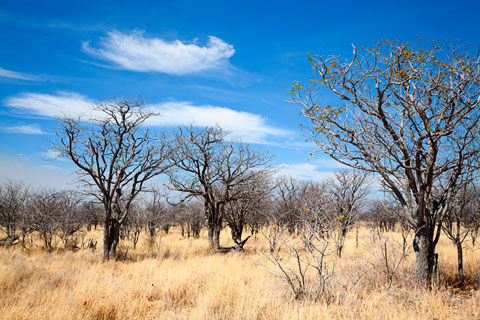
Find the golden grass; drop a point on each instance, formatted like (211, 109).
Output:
(181, 279)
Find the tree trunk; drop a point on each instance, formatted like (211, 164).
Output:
(106, 240)
(341, 242)
(424, 249)
(114, 236)
(237, 233)
(461, 277)
(111, 235)
(151, 229)
(216, 236)
(356, 236)
(210, 237)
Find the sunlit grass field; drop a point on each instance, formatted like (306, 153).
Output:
(179, 278)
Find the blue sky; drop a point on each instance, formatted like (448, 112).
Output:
(224, 62)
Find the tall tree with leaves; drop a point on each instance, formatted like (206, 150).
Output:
(410, 114)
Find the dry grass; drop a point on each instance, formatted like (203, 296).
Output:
(181, 279)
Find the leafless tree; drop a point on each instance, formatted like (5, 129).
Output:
(388, 254)
(348, 190)
(304, 262)
(212, 169)
(472, 222)
(464, 206)
(116, 156)
(155, 210)
(249, 207)
(136, 221)
(290, 201)
(191, 217)
(407, 113)
(383, 214)
(69, 218)
(12, 207)
(91, 212)
(45, 208)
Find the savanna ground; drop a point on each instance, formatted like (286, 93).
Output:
(180, 278)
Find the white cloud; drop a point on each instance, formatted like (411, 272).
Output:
(245, 126)
(305, 171)
(25, 129)
(52, 154)
(62, 104)
(4, 73)
(135, 52)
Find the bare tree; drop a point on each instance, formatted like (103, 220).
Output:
(135, 223)
(289, 202)
(116, 156)
(209, 168)
(45, 207)
(91, 213)
(389, 254)
(155, 210)
(383, 214)
(12, 206)
(463, 207)
(409, 114)
(472, 219)
(191, 217)
(249, 207)
(303, 262)
(70, 220)
(347, 190)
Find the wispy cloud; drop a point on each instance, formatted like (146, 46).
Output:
(52, 155)
(136, 52)
(305, 171)
(25, 129)
(4, 73)
(61, 104)
(245, 126)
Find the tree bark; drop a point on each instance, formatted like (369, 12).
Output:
(114, 236)
(111, 237)
(237, 233)
(106, 240)
(216, 236)
(356, 236)
(461, 277)
(423, 246)
(151, 229)
(210, 237)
